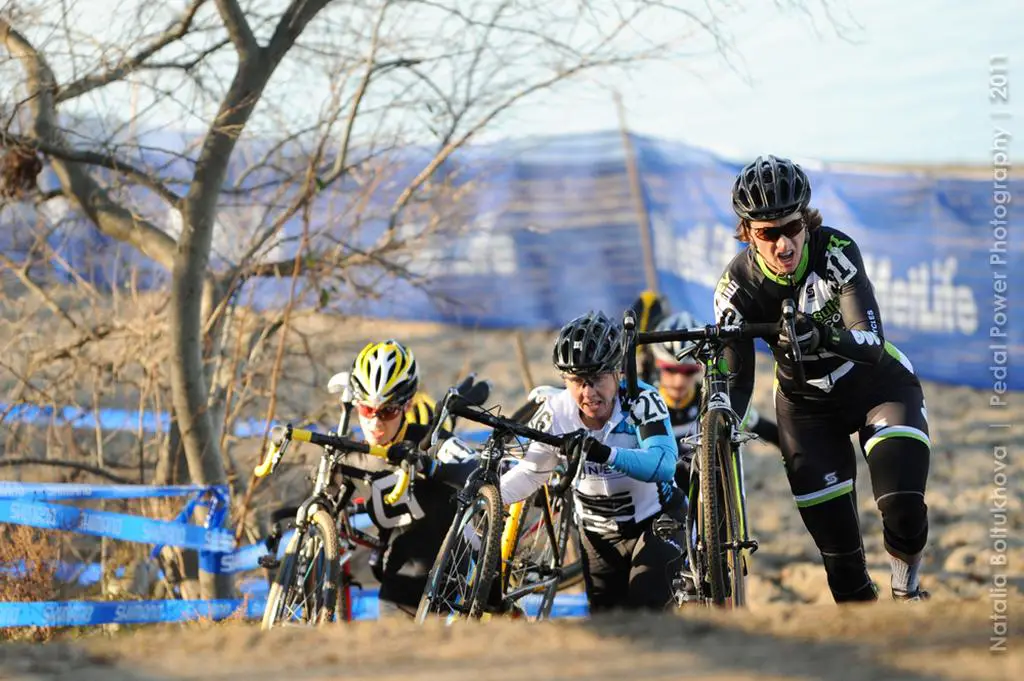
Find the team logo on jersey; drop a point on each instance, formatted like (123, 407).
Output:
(835, 243)
(865, 337)
(838, 265)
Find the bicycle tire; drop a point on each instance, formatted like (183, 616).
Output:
(325, 602)
(735, 558)
(490, 554)
(714, 434)
(489, 561)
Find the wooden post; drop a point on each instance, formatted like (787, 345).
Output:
(643, 218)
(524, 362)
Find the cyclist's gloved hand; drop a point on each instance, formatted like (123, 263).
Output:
(595, 451)
(402, 451)
(572, 444)
(580, 444)
(810, 334)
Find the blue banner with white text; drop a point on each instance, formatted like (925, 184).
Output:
(547, 229)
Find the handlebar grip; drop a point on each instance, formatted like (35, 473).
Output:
(267, 465)
(278, 436)
(401, 487)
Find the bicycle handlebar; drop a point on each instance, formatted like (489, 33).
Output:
(710, 332)
(281, 435)
(742, 331)
(458, 407)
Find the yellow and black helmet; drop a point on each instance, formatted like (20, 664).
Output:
(384, 373)
(422, 410)
(650, 309)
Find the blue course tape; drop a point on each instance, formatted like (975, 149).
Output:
(91, 613)
(365, 606)
(115, 526)
(55, 491)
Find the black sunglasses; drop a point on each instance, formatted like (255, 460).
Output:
(790, 229)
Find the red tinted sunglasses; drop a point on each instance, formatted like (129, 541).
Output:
(383, 413)
(790, 229)
(684, 369)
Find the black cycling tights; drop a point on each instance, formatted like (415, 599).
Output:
(821, 467)
(629, 573)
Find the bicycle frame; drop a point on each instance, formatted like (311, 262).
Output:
(709, 349)
(508, 546)
(488, 473)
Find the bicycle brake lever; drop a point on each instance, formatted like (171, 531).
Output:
(789, 318)
(445, 413)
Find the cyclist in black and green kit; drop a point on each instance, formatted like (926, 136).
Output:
(856, 381)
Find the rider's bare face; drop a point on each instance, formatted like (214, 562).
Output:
(595, 396)
(380, 426)
(780, 243)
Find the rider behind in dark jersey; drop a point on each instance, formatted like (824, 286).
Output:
(857, 382)
(680, 382)
(650, 309)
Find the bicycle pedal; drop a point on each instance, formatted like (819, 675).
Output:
(269, 562)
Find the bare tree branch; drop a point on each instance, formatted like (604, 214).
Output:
(127, 65)
(451, 147)
(239, 29)
(76, 182)
(95, 159)
(52, 463)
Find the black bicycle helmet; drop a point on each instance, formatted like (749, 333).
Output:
(770, 188)
(589, 344)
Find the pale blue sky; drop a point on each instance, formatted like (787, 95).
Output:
(910, 85)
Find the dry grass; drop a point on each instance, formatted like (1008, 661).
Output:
(39, 553)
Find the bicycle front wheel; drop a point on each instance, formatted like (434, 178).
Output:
(715, 436)
(467, 563)
(721, 532)
(305, 590)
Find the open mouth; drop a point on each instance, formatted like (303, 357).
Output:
(787, 258)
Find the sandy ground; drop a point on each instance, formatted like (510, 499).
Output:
(791, 631)
(936, 640)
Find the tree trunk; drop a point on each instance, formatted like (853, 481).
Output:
(188, 380)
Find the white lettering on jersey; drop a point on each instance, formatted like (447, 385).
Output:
(606, 497)
(726, 313)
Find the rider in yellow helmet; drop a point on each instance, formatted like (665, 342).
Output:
(391, 410)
